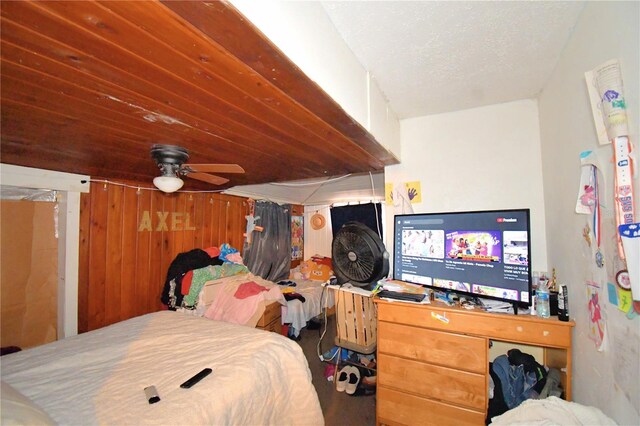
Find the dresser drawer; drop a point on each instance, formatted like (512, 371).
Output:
(515, 328)
(275, 326)
(395, 407)
(432, 381)
(271, 312)
(459, 351)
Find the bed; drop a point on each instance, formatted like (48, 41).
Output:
(298, 313)
(215, 301)
(98, 377)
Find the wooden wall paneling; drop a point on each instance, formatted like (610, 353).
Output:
(188, 223)
(97, 256)
(207, 219)
(175, 234)
(129, 237)
(216, 209)
(83, 262)
(228, 219)
(222, 209)
(238, 224)
(167, 253)
(232, 224)
(143, 267)
(113, 281)
(197, 219)
(158, 271)
(129, 251)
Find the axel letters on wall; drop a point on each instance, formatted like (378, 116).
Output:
(165, 221)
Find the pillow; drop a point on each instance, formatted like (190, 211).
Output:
(312, 271)
(17, 409)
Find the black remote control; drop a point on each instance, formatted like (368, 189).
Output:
(195, 379)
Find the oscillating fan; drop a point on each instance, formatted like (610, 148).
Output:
(358, 255)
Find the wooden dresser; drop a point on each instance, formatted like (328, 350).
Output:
(271, 319)
(433, 360)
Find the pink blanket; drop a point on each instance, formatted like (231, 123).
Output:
(227, 307)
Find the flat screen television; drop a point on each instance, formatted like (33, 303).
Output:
(477, 253)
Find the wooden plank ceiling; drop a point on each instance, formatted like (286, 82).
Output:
(89, 87)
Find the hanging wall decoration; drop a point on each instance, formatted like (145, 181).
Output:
(317, 221)
(630, 236)
(297, 237)
(596, 322)
(586, 192)
(251, 222)
(388, 194)
(414, 193)
(623, 186)
(607, 101)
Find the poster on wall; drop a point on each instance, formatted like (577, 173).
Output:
(388, 194)
(297, 237)
(414, 193)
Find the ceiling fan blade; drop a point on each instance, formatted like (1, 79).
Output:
(217, 168)
(216, 180)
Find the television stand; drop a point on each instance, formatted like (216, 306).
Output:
(433, 360)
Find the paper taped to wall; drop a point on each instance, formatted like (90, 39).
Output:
(607, 101)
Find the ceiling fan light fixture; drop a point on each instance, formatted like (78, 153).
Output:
(168, 184)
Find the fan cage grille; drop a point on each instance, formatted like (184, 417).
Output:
(357, 255)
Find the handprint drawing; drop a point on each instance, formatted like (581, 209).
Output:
(412, 193)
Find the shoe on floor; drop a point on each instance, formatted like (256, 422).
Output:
(343, 378)
(354, 379)
(369, 380)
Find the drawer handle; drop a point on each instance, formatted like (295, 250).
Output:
(519, 328)
(441, 318)
(545, 333)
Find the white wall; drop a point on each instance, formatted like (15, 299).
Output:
(609, 379)
(304, 33)
(478, 159)
(317, 241)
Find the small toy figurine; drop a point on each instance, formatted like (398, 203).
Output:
(251, 222)
(553, 281)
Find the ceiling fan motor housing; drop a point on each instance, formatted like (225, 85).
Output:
(169, 154)
(169, 158)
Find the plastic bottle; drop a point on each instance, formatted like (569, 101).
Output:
(563, 304)
(542, 300)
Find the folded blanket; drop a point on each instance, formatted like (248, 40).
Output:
(552, 411)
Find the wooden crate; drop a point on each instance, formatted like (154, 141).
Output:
(355, 321)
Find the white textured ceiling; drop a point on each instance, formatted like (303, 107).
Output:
(430, 57)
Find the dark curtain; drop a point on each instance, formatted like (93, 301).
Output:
(269, 254)
(369, 214)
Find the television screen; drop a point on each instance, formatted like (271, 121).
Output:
(481, 253)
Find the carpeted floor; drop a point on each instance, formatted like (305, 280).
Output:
(338, 408)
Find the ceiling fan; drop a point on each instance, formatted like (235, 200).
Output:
(171, 162)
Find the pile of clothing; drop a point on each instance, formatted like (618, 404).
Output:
(189, 272)
(517, 377)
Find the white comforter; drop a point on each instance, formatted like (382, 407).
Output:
(98, 377)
